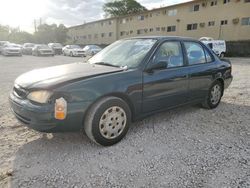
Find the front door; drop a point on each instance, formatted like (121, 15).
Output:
(167, 86)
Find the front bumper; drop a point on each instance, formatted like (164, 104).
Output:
(13, 53)
(41, 117)
(46, 53)
(79, 54)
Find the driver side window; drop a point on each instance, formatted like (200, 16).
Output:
(171, 53)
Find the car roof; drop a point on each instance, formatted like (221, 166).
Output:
(164, 38)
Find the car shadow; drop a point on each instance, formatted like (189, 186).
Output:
(55, 160)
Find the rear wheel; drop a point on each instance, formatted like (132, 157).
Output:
(214, 95)
(107, 121)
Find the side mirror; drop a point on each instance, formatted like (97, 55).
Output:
(161, 64)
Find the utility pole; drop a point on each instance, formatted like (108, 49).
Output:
(35, 26)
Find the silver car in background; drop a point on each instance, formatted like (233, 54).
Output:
(73, 51)
(42, 50)
(27, 48)
(91, 50)
(11, 49)
(57, 47)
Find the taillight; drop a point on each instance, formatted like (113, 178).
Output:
(60, 108)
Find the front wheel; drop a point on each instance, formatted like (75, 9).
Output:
(214, 95)
(107, 121)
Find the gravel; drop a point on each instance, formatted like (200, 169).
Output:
(184, 147)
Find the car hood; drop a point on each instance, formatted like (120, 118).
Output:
(12, 48)
(53, 76)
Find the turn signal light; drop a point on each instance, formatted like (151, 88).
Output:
(60, 109)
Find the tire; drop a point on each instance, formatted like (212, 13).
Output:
(214, 95)
(71, 54)
(222, 55)
(107, 121)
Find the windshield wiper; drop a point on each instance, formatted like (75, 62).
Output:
(106, 64)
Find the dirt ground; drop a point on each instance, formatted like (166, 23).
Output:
(184, 147)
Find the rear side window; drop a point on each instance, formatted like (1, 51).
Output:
(208, 56)
(195, 53)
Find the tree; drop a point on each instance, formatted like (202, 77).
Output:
(51, 33)
(4, 32)
(122, 7)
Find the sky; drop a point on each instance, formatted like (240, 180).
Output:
(22, 13)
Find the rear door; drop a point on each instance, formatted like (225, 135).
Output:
(201, 69)
(166, 87)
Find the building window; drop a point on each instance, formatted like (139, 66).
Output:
(140, 31)
(96, 36)
(245, 21)
(247, 1)
(110, 34)
(192, 26)
(211, 23)
(223, 22)
(103, 35)
(172, 12)
(213, 3)
(158, 28)
(123, 21)
(163, 29)
(110, 22)
(122, 33)
(151, 29)
(141, 17)
(171, 28)
(226, 1)
(195, 8)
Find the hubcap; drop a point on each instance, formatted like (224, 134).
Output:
(215, 94)
(112, 122)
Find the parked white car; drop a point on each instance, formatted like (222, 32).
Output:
(73, 51)
(91, 50)
(2, 43)
(11, 49)
(218, 46)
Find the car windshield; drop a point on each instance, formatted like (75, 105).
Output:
(57, 45)
(29, 45)
(12, 46)
(95, 47)
(124, 53)
(75, 46)
(43, 47)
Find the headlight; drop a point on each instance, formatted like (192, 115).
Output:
(39, 96)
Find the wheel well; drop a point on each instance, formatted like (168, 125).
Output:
(126, 99)
(222, 83)
(118, 95)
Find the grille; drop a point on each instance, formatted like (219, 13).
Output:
(80, 51)
(19, 92)
(13, 50)
(46, 51)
